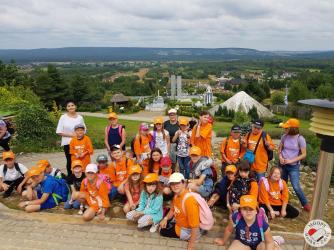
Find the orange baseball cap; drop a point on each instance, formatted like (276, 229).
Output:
(291, 123)
(36, 170)
(231, 168)
(76, 163)
(152, 177)
(112, 115)
(159, 120)
(43, 163)
(8, 155)
(248, 201)
(135, 169)
(183, 121)
(195, 151)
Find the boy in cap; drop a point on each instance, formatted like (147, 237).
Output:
(81, 147)
(231, 148)
(186, 226)
(49, 191)
(221, 188)
(48, 169)
(201, 176)
(257, 143)
(11, 173)
(74, 181)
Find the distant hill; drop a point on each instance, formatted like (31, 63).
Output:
(163, 54)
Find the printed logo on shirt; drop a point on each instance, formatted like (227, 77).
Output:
(177, 211)
(234, 152)
(275, 195)
(317, 233)
(251, 145)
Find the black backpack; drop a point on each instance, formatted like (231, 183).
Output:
(16, 165)
(270, 153)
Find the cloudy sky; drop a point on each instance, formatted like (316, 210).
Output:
(258, 24)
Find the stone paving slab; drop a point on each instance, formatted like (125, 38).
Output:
(54, 231)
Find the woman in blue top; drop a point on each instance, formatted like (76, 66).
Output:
(252, 231)
(114, 133)
(149, 211)
(50, 191)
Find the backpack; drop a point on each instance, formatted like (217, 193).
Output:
(270, 153)
(250, 155)
(63, 176)
(205, 213)
(132, 144)
(152, 141)
(16, 165)
(261, 215)
(100, 178)
(65, 191)
(266, 184)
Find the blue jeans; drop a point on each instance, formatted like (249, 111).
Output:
(75, 205)
(113, 193)
(293, 172)
(184, 165)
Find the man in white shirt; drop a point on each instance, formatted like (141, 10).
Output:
(11, 173)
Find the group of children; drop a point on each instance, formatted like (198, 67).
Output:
(140, 177)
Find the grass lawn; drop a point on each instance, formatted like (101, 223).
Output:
(96, 127)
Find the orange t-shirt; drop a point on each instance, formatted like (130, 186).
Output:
(190, 219)
(156, 167)
(120, 169)
(81, 146)
(95, 198)
(233, 149)
(109, 172)
(141, 145)
(204, 141)
(254, 189)
(275, 196)
(261, 157)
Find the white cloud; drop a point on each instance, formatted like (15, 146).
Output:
(260, 24)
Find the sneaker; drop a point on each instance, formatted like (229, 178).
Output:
(154, 228)
(307, 208)
(80, 212)
(279, 240)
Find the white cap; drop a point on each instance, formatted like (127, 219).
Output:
(172, 111)
(91, 168)
(176, 177)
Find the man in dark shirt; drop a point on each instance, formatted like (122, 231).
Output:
(172, 125)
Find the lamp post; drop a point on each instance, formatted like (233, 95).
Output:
(323, 125)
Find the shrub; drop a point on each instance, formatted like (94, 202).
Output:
(240, 117)
(35, 129)
(277, 98)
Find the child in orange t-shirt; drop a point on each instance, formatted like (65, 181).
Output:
(202, 133)
(154, 161)
(120, 166)
(274, 196)
(142, 148)
(133, 188)
(81, 147)
(94, 193)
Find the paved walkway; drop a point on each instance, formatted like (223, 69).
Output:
(57, 231)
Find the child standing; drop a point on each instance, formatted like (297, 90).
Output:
(133, 188)
(74, 181)
(160, 137)
(251, 228)
(149, 211)
(81, 147)
(141, 147)
(243, 184)
(182, 137)
(154, 161)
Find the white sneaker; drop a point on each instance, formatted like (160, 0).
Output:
(80, 212)
(279, 240)
(154, 228)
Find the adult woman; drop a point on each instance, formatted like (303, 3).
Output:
(65, 129)
(292, 150)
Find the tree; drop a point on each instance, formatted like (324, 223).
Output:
(298, 91)
(252, 113)
(277, 98)
(325, 91)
